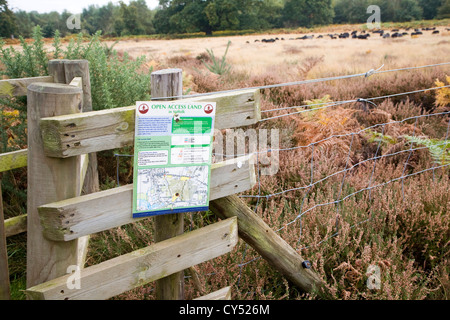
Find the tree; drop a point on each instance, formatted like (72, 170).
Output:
(408, 10)
(307, 13)
(52, 24)
(260, 15)
(179, 16)
(7, 20)
(351, 11)
(24, 23)
(444, 10)
(130, 18)
(144, 15)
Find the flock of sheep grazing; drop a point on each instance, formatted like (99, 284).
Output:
(364, 35)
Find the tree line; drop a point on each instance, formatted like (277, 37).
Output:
(188, 16)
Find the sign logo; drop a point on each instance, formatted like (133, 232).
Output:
(143, 108)
(209, 109)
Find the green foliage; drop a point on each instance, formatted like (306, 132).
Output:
(430, 8)
(377, 137)
(30, 62)
(7, 22)
(439, 149)
(176, 16)
(218, 66)
(444, 10)
(208, 16)
(115, 80)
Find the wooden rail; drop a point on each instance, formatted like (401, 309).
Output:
(112, 277)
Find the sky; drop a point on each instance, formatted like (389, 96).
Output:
(74, 6)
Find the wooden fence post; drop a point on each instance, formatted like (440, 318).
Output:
(4, 272)
(168, 83)
(49, 180)
(64, 71)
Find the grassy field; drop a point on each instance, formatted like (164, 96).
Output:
(408, 234)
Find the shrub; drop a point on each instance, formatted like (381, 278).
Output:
(115, 80)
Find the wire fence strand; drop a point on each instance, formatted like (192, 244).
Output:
(302, 82)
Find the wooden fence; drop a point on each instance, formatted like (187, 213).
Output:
(65, 206)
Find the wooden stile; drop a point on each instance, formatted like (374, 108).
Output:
(62, 129)
(15, 225)
(75, 69)
(49, 180)
(112, 277)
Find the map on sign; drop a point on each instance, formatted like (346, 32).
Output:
(172, 157)
(176, 187)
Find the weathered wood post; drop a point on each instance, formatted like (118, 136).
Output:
(168, 83)
(4, 273)
(49, 180)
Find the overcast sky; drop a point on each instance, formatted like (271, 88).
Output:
(74, 6)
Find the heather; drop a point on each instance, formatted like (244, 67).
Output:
(344, 197)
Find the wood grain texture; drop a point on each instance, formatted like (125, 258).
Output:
(112, 277)
(15, 225)
(74, 70)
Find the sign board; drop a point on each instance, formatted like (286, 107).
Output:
(172, 157)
